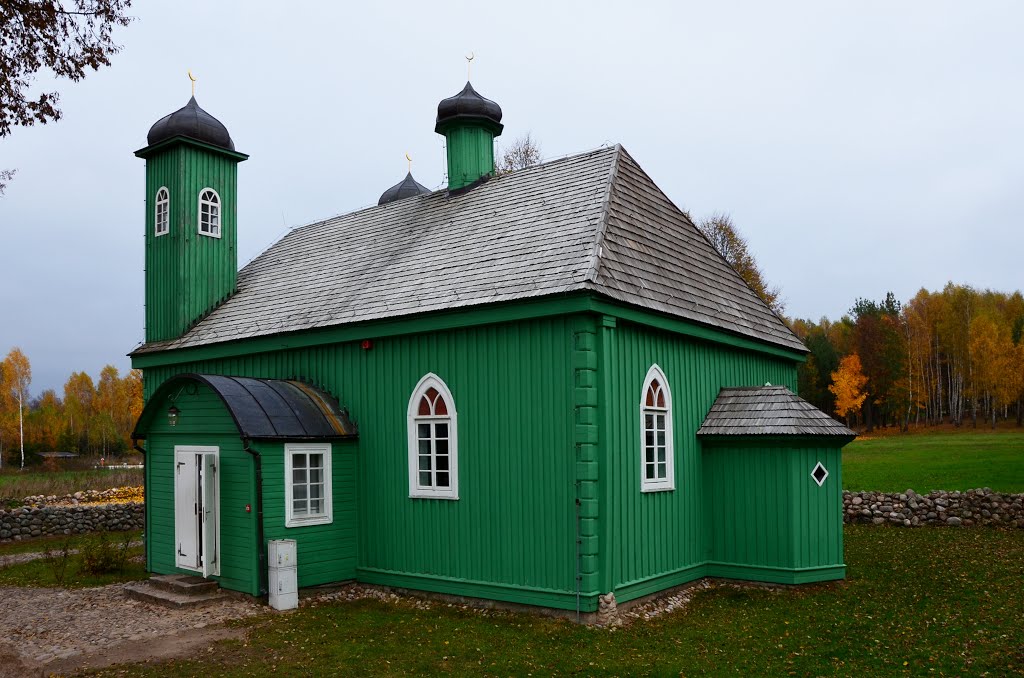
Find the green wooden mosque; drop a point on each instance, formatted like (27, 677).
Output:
(543, 388)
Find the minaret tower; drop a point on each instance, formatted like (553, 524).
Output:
(191, 200)
(469, 123)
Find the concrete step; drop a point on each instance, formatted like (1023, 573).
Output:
(185, 584)
(158, 594)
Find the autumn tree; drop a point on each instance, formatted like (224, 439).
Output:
(847, 386)
(522, 153)
(64, 38)
(79, 409)
(17, 379)
(46, 420)
(726, 239)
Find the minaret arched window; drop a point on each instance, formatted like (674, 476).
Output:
(162, 215)
(656, 453)
(433, 441)
(209, 213)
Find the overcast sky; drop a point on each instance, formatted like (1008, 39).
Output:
(860, 146)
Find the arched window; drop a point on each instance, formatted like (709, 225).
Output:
(433, 441)
(656, 453)
(162, 215)
(209, 213)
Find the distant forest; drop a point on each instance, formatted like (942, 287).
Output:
(943, 357)
(91, 418)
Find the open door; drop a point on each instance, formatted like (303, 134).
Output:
(209, 510)
(196, 508)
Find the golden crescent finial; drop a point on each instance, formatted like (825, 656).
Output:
(193, 79)
(409, 158)
(469, 64)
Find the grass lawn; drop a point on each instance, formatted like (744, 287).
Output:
(916, 602)
(16, 485)
(936, 461)
(45, 573)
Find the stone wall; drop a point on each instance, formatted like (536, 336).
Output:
(40, 521)
(910, 509)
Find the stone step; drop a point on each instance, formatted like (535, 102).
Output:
(185, 584)
(148, 592)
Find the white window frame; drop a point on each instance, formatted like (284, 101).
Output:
(669, 481)
(163, 199)
(416, 490)
(325, 518)
(219, 204)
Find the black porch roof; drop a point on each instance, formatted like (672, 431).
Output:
(264, 409)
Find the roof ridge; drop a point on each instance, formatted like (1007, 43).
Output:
(602, 220)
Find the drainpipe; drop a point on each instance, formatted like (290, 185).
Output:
(261, 551)
(145, 498)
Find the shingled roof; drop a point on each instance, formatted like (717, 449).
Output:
(767, 411)
(591, 222)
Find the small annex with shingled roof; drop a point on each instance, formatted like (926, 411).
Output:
(546, 387)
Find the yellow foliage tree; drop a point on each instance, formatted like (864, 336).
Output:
(847, 386)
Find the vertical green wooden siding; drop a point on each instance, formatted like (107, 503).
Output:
(326, 553)
(188, 274)
(768, 519)
(203, 421)
(470, 149)
(658, 537)
(511, 533)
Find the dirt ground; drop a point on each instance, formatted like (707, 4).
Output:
(60, 631)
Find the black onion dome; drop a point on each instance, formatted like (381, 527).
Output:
(406, 188)
(192, 122)
(467, 104)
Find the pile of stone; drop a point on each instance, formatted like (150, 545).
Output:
(113, 495)
(40, 521)
(910, 509)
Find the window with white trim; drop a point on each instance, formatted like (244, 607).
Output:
(209, 213)
(162, 216)
(656, 454)
(307, 484)
(433, 441)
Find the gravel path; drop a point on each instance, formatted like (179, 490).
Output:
(47, 630)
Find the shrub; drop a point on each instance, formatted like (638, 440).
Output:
(101, 556)
(57, 558)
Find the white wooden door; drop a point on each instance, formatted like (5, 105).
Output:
(196, 508)
(209, 527)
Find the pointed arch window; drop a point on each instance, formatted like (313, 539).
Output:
(162, 215)
(433, 441)
(657, 462)
(209, 213)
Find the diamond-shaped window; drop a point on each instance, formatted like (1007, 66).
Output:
(819, 474)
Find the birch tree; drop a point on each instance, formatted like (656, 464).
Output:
(18, 378)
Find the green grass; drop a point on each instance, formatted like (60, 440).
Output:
(40, 544)
(936, 461)
(41, 573)
(916, 602)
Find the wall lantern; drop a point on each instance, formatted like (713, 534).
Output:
(172, 416)
(366, 344)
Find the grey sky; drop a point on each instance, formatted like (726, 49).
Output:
(860, 146)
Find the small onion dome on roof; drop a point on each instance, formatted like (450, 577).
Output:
(468, 105)
(406, 188)
(192, 122)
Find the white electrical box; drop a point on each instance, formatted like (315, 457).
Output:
(282, 574)
(282, 553)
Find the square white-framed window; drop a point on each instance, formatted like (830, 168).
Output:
(307, 484)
